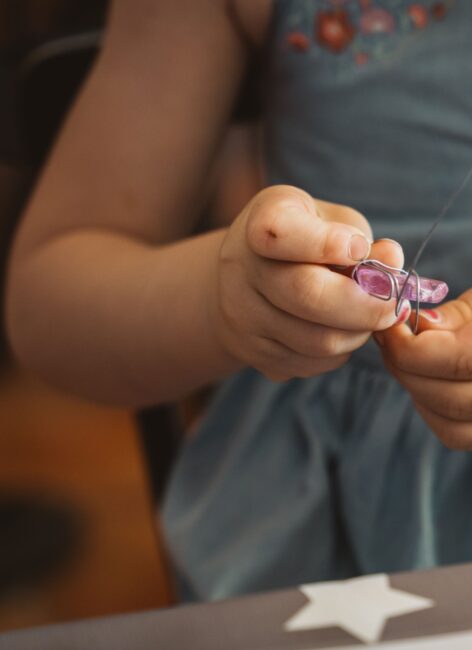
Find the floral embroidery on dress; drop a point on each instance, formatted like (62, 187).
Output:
(362, 26)
(334, 29)
(376, 20)
(298, 41)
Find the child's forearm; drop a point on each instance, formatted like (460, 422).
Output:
(117, 320)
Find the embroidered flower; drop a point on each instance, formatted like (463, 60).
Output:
(376, 20)
(439, 10)
(334, 29)
(418, 14)
(298, 41)
(340, 24)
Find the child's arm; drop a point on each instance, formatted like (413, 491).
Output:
(101, 303)
(436, 368)
(93, 303)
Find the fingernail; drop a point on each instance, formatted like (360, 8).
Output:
(404, 313)
(431, 315)
(380, 338)
(390, 241)
(359, 247)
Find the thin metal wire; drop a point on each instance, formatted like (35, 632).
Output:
(414, 273)
(393, 274)
(442, 213)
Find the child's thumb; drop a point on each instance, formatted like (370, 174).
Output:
(451, 316)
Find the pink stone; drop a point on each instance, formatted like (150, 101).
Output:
(377, 283)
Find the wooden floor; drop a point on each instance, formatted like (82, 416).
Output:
(56, 448)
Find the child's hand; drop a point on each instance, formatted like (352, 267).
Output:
(279, 308)
(436, 368)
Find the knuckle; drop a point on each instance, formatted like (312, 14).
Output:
(261, 229)
(301, 287)
(308, 286)
(331, 241)
(463, 309)
(266, 227)
(267, 218)
(462, 366)
(272, 360)
(327, 243)
(330, 343)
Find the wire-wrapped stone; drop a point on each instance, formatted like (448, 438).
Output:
(387, 282)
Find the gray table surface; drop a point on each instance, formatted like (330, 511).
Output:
(255, 622)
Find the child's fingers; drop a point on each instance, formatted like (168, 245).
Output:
(286, 224)
(388, 252)
(450, 399)
(452, 433)
(302, 336)
(451, 316)
(317, 294)
(435, 353)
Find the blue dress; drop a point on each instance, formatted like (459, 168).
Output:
(369, 104)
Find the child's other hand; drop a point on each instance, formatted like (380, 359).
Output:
(436, 368)
(279, 308)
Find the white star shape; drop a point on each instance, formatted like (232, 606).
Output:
(360, 606)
